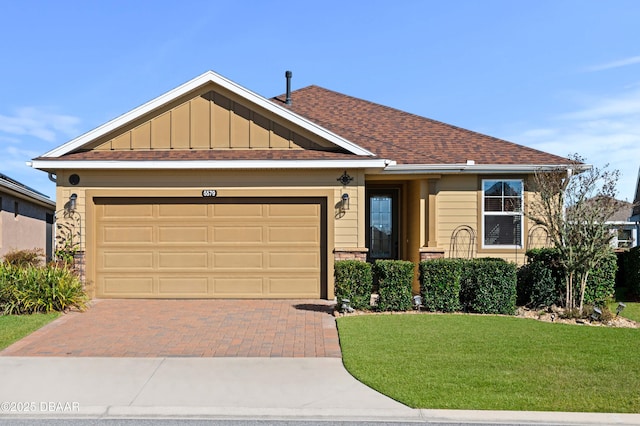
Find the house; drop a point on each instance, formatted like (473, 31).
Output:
(213, 191)
(623, 227)
(26, 218)
(635, 211)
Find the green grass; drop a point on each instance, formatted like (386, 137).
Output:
(632, 311)
(15, 327)
(494, 363)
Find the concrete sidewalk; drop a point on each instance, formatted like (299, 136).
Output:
(225, 388)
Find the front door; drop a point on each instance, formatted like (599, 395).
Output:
(382, 223)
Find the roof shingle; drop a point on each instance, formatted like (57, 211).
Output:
(404, 137)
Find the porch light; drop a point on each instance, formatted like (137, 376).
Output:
(417, 302)
(346, 306)
(596, 313)
(344, 204)
(73, 202)
(620, 308)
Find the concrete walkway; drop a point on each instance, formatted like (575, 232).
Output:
(225, 388)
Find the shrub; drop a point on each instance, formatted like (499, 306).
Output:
(537, 286)
(440, 284)
(27, 290)
(354, 282)
(394, 278)
(26, 257)
(602, 281)
(488, 287)
(631, 261)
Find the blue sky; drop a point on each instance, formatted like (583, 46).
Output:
(558, 75)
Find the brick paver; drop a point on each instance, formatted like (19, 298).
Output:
(188, 328)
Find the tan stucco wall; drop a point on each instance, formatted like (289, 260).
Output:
(345, 229)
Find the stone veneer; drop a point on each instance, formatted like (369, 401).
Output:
(350, 254)
(431, 253)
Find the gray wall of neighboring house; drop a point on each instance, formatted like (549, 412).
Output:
(24, 225)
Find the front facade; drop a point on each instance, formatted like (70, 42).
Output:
(26, 218)
(212, 191)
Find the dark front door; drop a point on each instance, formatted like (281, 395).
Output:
(382, 223)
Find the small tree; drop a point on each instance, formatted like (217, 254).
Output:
(574, 205)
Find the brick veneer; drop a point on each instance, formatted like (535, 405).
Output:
(356, 253)
(430, 253)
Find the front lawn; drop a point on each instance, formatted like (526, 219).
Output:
(632, 310)
(15, 327)
(494, 363)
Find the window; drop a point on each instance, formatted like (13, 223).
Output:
(502, 213)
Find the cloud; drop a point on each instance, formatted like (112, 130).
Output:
(605, 131)
(615, 64)
(41, 124)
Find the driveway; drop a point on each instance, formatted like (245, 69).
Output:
(188, 328)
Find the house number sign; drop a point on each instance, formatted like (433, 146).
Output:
(209, 193)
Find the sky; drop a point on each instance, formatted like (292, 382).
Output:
(562, 76)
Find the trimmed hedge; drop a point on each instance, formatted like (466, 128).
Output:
(394, 278)
(631, 261)
(539, 288)
(488, 287)
(354, 281)
(440, 284)
(601, 282)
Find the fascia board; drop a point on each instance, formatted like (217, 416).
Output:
(207, 77)
(206, 165)
(480, 168)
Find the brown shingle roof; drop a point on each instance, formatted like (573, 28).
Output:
(209, 154)
(404, 137)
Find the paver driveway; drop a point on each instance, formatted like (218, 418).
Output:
(188, 328)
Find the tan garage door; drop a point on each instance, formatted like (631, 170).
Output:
(209, 247)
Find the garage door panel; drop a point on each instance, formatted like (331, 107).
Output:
(235, 211)
(283, 286)
(181, 285)
(131, 211)
(247, 286)
(184, 234)
(238, 234)
(183, 210)
(246, 260)
(127, 285)
(294, 234)
(127, 234)
(296, 211)
(122, 260)
(212, 248)
(294, 261)
(183, 260)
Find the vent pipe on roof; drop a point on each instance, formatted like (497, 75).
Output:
(288, 75)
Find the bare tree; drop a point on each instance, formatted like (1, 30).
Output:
(574, 204)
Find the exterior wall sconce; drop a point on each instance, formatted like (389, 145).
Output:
(73, 202)
(344, 203)
(620, 308)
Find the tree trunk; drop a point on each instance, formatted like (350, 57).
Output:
(583, 287)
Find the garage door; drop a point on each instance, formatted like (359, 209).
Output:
(210, 248)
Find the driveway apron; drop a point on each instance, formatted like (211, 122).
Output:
(188, 328)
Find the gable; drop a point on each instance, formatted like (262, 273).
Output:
(206, 120)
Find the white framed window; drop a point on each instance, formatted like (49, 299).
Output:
(502, 217)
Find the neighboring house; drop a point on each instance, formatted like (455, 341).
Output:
(211, 190)
(26, 218)
(625, 230)
(635, 211)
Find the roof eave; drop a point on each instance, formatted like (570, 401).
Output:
(52, 165)
(194, 84)
(25, 194)
(480, 168)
